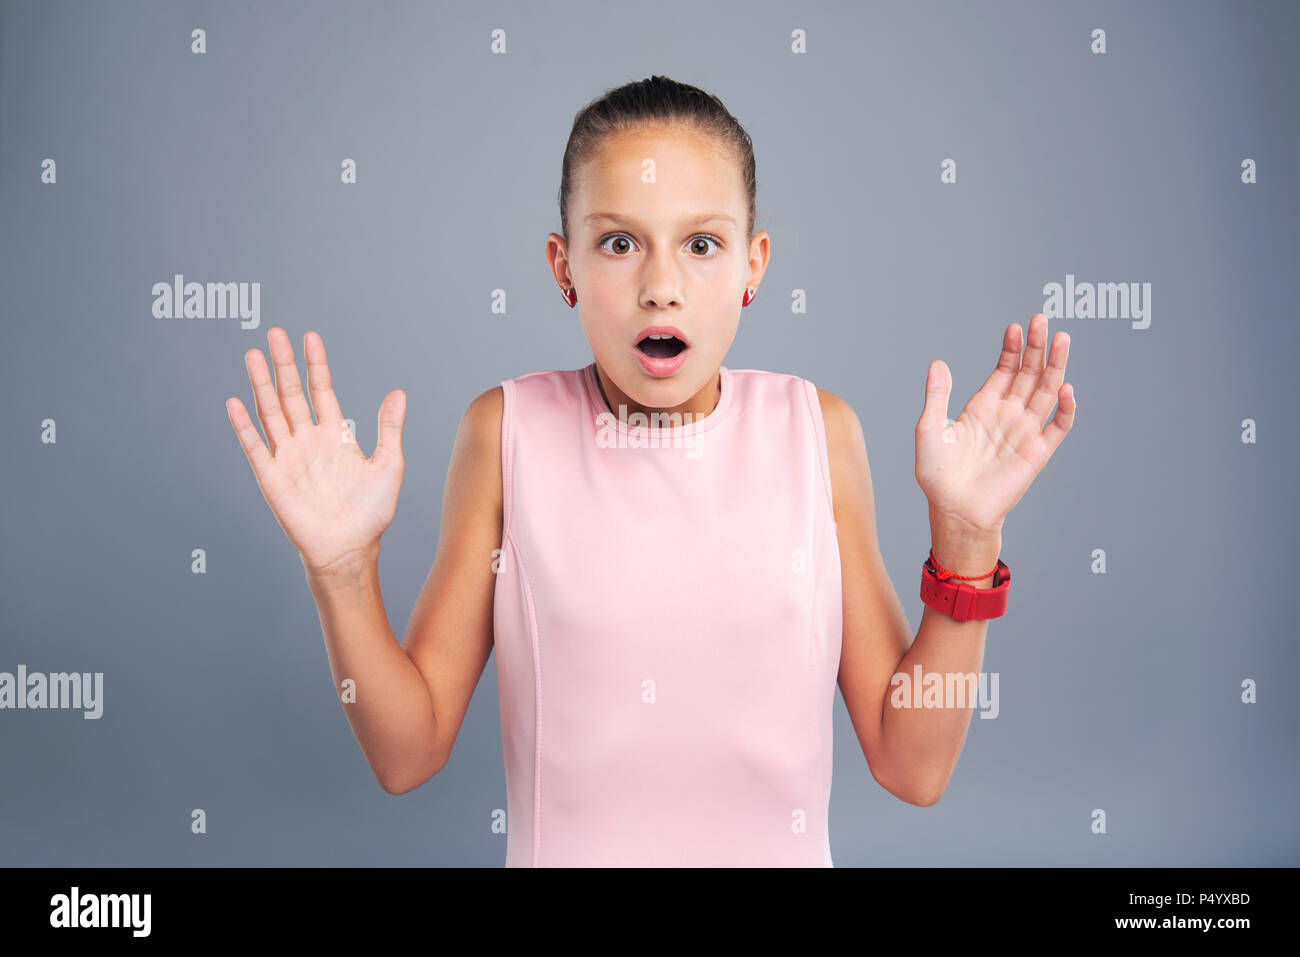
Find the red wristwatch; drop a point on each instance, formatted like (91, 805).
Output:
(964, 601)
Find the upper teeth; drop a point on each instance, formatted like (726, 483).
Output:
(661, 337)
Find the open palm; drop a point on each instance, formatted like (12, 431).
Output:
(332, 502)
(975, 470)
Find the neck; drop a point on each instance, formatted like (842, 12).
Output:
(693, 409)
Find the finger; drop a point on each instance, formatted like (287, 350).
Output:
(1063, 420)
(268, 406)
(1031, 367)
(392, 413)
(323, 399)
(287, 384)
(1049, 384)
(938, 386)
(258, 456)
(999, 381)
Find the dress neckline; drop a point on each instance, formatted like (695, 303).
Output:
(721, 411)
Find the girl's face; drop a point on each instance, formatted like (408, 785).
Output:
(658, 219)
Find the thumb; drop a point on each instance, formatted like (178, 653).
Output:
(392, 413)
(938, 387)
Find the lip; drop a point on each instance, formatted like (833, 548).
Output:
(662, 331)
(661, 368)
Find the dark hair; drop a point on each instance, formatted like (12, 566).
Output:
(655, 100)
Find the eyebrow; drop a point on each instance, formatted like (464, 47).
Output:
(695, 221)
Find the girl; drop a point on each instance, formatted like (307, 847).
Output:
(676, 562)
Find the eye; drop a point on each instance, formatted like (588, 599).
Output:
(622, 236)
(627, 243)
(705, 237)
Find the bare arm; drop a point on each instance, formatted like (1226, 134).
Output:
(334, 504)
(411, 698)
(972, 471)
(911, 752)
(449, 636)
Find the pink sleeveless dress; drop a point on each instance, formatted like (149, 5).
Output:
(667, 619)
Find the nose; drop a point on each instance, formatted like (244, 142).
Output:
(661, 286)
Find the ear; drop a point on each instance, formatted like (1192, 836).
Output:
(557, 256)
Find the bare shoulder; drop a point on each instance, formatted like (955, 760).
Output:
(843, 429)
(846, 452)
(476, 457)
(837, 414)
(483, 415)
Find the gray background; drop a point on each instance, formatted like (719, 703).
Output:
(1118, 691)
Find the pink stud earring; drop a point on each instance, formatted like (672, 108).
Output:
(570, 296)
(749, 297)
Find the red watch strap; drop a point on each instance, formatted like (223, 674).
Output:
(964, 601)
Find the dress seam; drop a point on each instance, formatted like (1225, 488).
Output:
(823, 454)
(823, 803)
(534, 633)
(507, 456)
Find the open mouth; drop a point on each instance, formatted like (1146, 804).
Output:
(661, 347)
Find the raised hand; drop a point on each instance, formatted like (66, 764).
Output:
(974, 470)
(332, 501)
